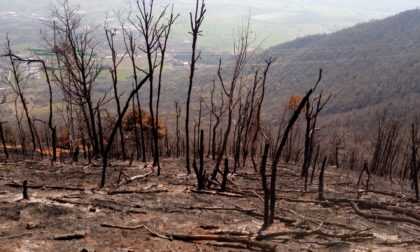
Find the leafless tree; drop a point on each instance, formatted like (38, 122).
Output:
(257, 122)
(2, 137)
(163, 44)
(241, 55)
(131, 49)
(75, 48)
(366, 170)
(280, 148)
(155, 33)
(196, 21)
(17, 84)
(321, 180)
(177, 133)
(414, 163)
(113, 69)
(52, 128)
(338, 143)
(311, 116)
(265, 186)
(105, 149)
(218, 113)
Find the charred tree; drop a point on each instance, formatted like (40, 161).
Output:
(414, 164)
(241, 58)
(365, 169)
(265, 187)
(225, 176)
(200, 172)
(106, 149)
(280, 148)
(321, 180)
(196, 21)
(113, 69)
(3, 140)
(131, 50)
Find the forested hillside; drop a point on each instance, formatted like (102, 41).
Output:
(371, 66)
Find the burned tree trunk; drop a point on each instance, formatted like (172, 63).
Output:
(200, 172)
(196, 23)
(365, 169)
(265, 187)
(25, 190)
(321, 180)
(107, 149)
(3, 140)
(315, 164)
(18, 89)
(241, 58)
(178, 116)
(131, 49)
(110, 35)
(225, 175)
(414, 164)
(280, 148)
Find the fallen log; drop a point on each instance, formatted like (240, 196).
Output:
(69, 188)
(72, 236)
(114, 192)
(228, 194)
(14, 236)
(383, 217)
(206, 237)
(155, 234)
(380, 205)
(222, 238)
(219, 209)
(317, 231)
(131, 179)
(396, 243)
(111, 205)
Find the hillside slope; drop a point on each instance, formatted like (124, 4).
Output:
(371, 66)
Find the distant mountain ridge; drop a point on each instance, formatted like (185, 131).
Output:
(374, 65)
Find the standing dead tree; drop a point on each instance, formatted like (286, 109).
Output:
(265, 186)
(364, 170)
(241, 57)
(155, 32)
(218, 113)
(52, 128)
(196, 22)
(19, 118)
(105, 150)
(414, 163)
(177, 133)
(113, 69)
(2, 137)
(248, 118)
(321, 180)
(3, 140)
(200, 172)
(387, 144)
(311, 116)
(17, 84)
(257, 121)
(279, 148)
(131, 49)
(241, 121)
(163, 44)
(338, 143)
(77, 60)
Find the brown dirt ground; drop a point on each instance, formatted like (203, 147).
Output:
(168, 205)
